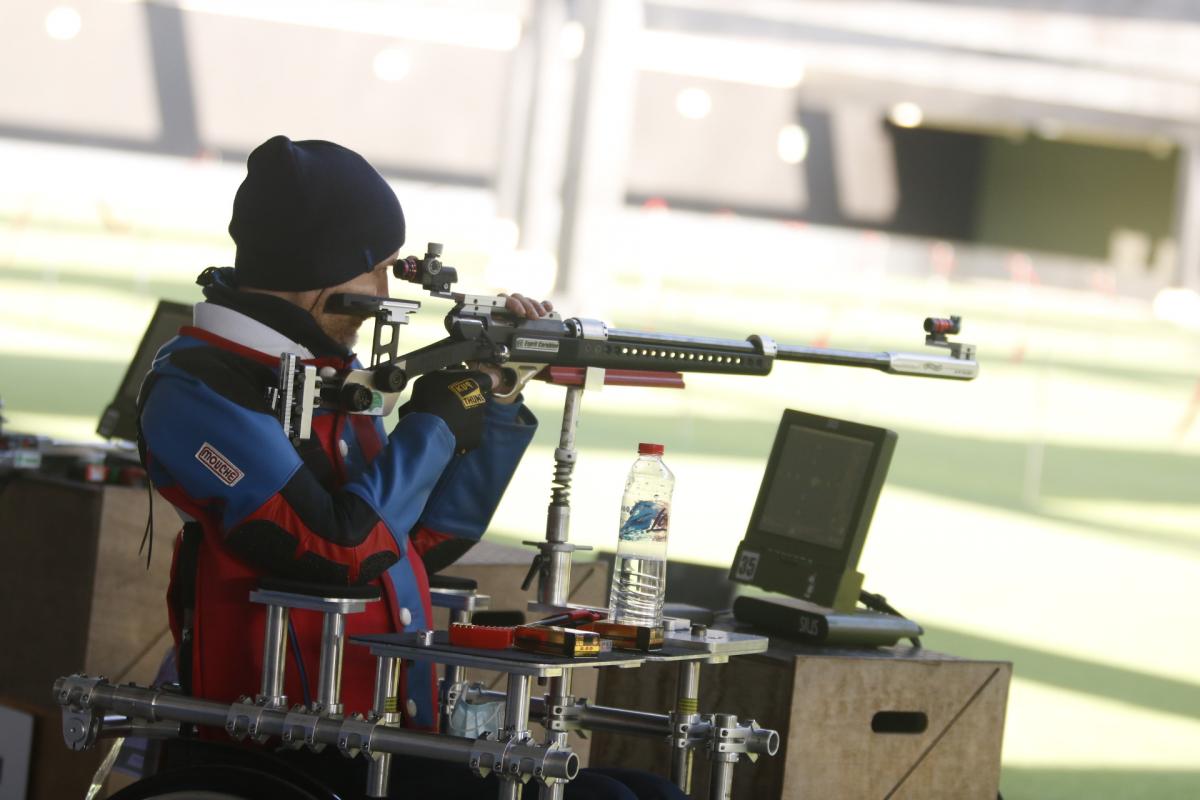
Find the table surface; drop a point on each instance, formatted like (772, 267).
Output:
(713, 645)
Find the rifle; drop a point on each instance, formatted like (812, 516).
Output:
(480, 328)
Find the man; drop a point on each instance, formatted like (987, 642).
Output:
(354, 504)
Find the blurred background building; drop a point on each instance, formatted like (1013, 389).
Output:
(823, 172)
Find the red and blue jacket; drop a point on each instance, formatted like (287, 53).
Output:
(354, 504)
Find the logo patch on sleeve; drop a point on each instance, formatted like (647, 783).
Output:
(468, 392)
(219, 465)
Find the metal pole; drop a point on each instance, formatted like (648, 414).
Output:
(274, 658)
(156, 705)
(329, 684)
(687, 702)
(621, 720)
(387, 687)
(516, 728)
(555, 587)
(593, 718)
(453, 674)
(516, 709)
(560, 695)
(720, 777)
(720, 784)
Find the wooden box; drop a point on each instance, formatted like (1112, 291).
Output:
(82, 598)
(855, 724)
(78, 598)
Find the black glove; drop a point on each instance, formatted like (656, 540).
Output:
(458, 396)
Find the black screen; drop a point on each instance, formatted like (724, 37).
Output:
(120, 418)
(815, 490)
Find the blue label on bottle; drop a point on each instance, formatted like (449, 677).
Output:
(646, 521)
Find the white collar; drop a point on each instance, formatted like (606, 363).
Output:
(246, 331)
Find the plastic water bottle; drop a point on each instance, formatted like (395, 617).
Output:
(640, 571)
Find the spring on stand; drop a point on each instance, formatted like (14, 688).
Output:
(561, 491)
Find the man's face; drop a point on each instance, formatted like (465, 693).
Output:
(343, 328)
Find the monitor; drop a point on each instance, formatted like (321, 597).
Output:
(813, 510)
(119, 420)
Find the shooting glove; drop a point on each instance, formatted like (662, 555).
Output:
(458, 396)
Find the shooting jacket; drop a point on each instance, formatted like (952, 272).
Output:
(354, 504)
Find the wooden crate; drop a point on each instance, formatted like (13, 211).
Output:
(856, 724)
(83, 599)
(79, 599)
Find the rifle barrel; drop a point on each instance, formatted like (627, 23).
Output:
(679, 340)
(841, 358)
(929, 365)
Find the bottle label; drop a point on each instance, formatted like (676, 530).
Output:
(645, 521)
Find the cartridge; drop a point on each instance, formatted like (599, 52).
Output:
(555, 641)
(629, 637)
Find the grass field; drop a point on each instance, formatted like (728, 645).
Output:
(1047, 513)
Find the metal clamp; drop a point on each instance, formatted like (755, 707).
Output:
(688, 730)
(245, 719)
(516, 766)
(764, 344)
(355, 736)
(748, 739)
(563, 714)
(588, 328)
(482, 760)
(300, 729)
(76, 690)
(81, 728)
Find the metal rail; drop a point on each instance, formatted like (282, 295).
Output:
(82, 697)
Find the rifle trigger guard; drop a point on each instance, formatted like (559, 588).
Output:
(524, 374)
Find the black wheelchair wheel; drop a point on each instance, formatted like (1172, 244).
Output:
(223, 782)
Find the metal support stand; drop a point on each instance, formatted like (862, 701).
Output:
(554, 576)
(385, 712)
(454, 675)
(515, 731)
(556, 701)
(461, 603)
(329, 684)
(84, 700)
(299, 728)
(552, 564)
(687, 698)
(274, 659)
(720, 779)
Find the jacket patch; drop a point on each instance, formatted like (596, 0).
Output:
(219, 465)
(468, 393)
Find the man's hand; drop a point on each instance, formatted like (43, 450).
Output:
(519, 306)
(458, 396)
(524, 307)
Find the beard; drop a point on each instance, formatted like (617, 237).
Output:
(342, 328)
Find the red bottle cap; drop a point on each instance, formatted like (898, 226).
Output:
(648, 449)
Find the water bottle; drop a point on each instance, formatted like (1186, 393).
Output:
(640, 571)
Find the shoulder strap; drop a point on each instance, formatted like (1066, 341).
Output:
(148, 534)
(183, 598)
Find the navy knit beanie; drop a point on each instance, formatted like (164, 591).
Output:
(310, 215)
